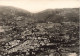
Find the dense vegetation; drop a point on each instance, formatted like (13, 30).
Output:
(39, 34)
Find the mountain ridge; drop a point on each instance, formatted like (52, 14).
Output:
(52, 15)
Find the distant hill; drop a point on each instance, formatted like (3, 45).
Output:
(58, 15)
(8, 10)
(11, 14)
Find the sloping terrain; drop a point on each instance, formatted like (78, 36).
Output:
(58, 15)
(38, 34)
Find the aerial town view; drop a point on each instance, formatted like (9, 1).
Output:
(46, 33)
(39, 27)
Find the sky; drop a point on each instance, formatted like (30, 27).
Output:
(39, 5)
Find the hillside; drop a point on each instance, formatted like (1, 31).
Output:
(52, 15)
(39, 34)
(58, 15)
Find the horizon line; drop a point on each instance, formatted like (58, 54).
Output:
(37, 11)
